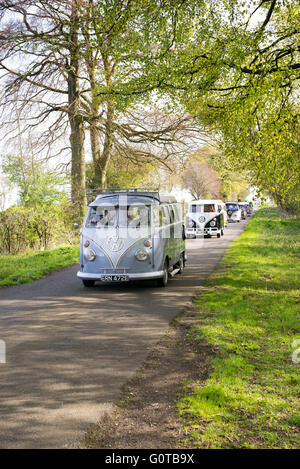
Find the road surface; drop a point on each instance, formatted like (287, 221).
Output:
(70, 349)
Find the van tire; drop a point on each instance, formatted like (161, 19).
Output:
(163, 281)
(88, 283)
(219, 235)
(181, 264)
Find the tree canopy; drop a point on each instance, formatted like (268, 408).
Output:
(142, 76)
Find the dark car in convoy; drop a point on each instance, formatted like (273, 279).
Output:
(233, 211)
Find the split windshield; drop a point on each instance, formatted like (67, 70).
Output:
(133, 216)
(232, 207)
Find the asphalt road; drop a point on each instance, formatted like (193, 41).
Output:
(70, 349)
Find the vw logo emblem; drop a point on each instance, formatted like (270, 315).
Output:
(202, 219)
(114, 243)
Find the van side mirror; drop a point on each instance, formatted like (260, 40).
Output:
(75, 226)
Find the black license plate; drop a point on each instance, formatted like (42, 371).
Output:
(114, 278)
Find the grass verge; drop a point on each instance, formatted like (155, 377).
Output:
(23, 268)
(250, 313)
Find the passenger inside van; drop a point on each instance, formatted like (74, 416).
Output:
(137, 217)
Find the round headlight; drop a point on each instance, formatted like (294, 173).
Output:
(141, 254)
(90, 254)
(213, 223)
(190, 223)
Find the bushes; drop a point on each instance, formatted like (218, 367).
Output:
(14, 230)
(23, 228)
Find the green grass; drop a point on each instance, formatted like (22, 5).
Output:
(250, 314)
(23, 268)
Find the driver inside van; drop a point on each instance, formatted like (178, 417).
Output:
(102, 217)
(108, 218)
(95, 218)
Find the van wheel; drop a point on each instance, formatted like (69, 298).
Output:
(181, 264)
(219, 235)
(88, 283)
(163, 282)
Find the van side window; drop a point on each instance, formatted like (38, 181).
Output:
(178, 216)
(176, 213)
(172, 215)
(160, 217)
(165, 215)
(157, 216)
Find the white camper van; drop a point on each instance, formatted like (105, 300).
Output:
(205, 218)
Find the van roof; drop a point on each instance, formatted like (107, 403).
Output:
(167, 198)
(206, 201)
(95, 195)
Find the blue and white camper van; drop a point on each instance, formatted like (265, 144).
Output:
(131, 234)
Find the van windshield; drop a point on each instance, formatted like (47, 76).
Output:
(102, 217)
(232, 207)
(202, 208)
(132, 216)
(136, 216)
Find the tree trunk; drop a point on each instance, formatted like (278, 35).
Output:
(78, 189)
(101, 159)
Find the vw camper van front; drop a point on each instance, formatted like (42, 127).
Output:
(205, 218)
(233, 211)
(117, 239)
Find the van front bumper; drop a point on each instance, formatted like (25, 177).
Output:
(201, 232)
(136, 276)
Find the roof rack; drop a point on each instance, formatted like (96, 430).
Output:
(93, 193)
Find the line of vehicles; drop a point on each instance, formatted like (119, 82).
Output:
(139, 234)
(210, 217)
